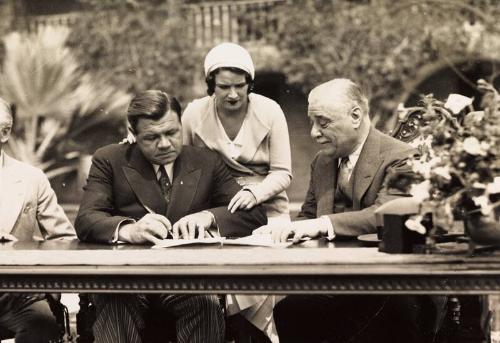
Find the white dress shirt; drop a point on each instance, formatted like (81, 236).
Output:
(168, 167)
(325, 221)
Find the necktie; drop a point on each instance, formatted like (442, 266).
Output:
(166, 186)
(345, 169)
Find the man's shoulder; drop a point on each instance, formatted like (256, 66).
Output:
(22, 167)
(112, 150)
(389, 144)
(198, 154)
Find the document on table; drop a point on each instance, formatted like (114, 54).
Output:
(264, 240)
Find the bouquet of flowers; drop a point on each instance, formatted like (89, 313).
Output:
(457, 171)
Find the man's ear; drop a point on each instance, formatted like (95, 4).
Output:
(5, 135)
(356, 116)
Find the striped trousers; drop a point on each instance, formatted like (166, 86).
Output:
(120, 317)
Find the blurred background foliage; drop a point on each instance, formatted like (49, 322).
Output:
(71, 97)
(55, 101)
(380, 44)
(140, 45)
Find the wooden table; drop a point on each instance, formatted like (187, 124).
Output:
(310, 267)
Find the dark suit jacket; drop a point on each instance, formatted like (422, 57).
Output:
(380, 154)
(122, 183)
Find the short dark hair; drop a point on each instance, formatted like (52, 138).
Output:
(151, 104)
(210, 80)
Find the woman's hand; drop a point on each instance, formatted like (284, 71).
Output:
(244, 199)
(130, 139)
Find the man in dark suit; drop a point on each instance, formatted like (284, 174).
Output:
(142, 192)
(348, 182)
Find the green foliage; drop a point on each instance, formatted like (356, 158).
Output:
(379, 44)
(458, 168)
(55, 100)
(139, 46)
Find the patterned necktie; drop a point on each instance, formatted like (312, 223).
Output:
(345, 169)
(166, 186)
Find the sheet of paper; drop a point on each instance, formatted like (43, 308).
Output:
(263, 240)
(169, 243)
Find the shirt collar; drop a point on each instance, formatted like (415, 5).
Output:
(168, 167)
(353, 158)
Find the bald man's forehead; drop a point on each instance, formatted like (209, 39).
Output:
(324, 104)
(318, 100)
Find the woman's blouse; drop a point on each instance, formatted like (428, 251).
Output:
(259, 156)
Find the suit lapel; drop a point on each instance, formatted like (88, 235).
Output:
(13, 194)
(368, 163)
(141, 177)
(185, 183)
(256, 129)
(326, 174)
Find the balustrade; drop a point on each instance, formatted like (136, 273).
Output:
(235, 21)
(209, 22)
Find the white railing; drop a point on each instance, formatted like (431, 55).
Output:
(209, 22)
(236, 21)
(33, 23)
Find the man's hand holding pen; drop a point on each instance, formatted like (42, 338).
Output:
(152, 228)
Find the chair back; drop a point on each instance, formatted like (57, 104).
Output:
(61, 314)
(408, 125)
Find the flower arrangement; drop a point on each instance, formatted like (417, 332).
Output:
(457, 171)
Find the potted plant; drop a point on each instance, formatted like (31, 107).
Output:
(457, 172)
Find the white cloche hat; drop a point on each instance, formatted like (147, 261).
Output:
(229, 55)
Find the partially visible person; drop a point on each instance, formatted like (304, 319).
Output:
(348, 182)
(28, 206)
(250, 132)
(140, 193)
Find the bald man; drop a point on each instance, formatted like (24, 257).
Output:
(348, 174)
(28, 205)
(348, 182)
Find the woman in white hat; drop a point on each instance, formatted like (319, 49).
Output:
(250, 132)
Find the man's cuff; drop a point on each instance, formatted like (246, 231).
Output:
(120, 224)
(329, 227)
